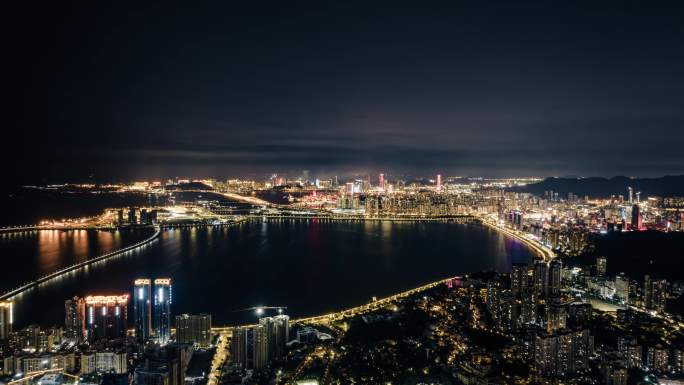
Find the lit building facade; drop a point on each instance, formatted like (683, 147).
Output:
(601, 266)
(6, 319)
(260, 347)
(162, 309)
(107, 316)
(519, 277)
(622, 288)
(194, 329)
(562, 353)
(104, 362)
(142, 308)
(74, 319)
(278, 331)
(655, 294)
(541, 277)
(254, 347)
(240, 347)
(636, 218)
(555, 272)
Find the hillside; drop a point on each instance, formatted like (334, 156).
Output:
(605, 187)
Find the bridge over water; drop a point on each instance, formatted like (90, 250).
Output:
(61, 272)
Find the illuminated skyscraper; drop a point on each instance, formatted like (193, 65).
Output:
(142, 308)
(541, 277)
(260, 347)
(562, 353)
(636, 218)
(350, 188)
(240, 347)
(622, 288)
(281, 335)
(250, 347)
(131, 216)
(107, 316)
(519, 277)
(254, 347)
(74, 319)
(555, 270)
(162, 310)
(194, 329)
(527, 309)
(278, 331)
(655, 294)
(601, 266)
(439, 182)
(6, 319)
(555, 317)
(381, 181)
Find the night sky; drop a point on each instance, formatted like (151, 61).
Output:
(114, 92)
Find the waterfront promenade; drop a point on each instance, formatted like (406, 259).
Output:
(544, 252)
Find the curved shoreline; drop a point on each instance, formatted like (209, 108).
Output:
(545, 253)
(18, 290)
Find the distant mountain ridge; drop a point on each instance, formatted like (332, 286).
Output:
(670, 185)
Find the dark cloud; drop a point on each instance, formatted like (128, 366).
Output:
(246, 88)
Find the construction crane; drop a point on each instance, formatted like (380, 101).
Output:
(260, 309)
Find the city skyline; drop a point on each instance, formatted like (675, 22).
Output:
(330, 272)
(317, 193)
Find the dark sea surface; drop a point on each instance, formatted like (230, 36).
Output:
(310, 266)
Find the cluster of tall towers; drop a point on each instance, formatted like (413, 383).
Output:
(106, 316)
(152, 309)
(546, 278)
(254, 347)
(95, 317)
